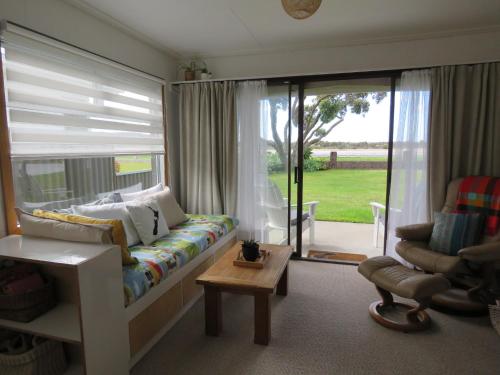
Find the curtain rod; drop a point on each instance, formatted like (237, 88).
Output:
(324, 76)
(307, 77)
(4, 23)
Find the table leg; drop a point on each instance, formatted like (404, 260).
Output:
(213, 311)
(262, 318)
(282, 288)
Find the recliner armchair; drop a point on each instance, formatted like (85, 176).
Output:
(472, 271)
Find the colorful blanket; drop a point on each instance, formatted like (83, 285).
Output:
(168, 254)
(482, 195)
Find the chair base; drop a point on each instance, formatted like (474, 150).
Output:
(456, 301)
(379, 311)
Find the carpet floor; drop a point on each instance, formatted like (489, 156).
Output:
(323, 327)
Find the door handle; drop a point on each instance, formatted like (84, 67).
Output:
(295, 175)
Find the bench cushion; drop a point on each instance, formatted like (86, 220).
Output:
(389, 274)
(170, 253)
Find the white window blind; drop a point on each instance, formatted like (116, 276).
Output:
(64, 102)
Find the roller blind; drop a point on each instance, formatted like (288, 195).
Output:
(64, 102)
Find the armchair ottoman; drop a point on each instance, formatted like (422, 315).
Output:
(390, 276)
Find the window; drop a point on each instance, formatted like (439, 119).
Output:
(127, 164)
(79, 126)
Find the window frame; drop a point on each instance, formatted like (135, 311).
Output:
(7, 178)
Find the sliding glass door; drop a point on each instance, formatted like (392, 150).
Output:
(280, 192)
(345, 139)
(328, 156)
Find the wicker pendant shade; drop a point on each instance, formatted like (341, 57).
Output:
(301, 9)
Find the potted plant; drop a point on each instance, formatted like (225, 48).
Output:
(250, 250)
(205, 74)
(189, 70)
(195, 69)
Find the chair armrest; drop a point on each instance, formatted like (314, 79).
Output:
(377, 205)
(307, 204)
(488, 252)
(312, 208)
(312, 203)
(415, 232)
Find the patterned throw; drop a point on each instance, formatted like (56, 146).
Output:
(479, 194)
(168, 254)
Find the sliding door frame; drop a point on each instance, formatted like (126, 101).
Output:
(300, 171)
(300, 81)
(389, 159)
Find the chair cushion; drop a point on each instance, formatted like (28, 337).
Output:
(389, 274)
(419, 254)
(454, 231)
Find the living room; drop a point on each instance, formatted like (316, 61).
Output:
(136, 143)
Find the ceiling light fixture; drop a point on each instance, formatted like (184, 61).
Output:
(300, 9)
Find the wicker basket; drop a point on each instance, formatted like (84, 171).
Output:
(495, 316)
(28, 306)
(46, 358)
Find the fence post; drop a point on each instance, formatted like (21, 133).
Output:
(333, 160)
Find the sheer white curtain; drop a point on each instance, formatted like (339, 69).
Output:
(252, 116)
(408, 194)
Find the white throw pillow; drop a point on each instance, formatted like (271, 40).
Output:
(130, 189)
(148, 220)
(170, 208)
(127, 197)
(116, 211)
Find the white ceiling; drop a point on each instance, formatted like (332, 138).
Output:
(228, 27)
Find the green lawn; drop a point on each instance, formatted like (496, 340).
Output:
(343, 194)
(353, 158)
(133, 163)
(362, 158)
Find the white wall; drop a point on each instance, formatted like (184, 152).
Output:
(72, 25)
(460, 49)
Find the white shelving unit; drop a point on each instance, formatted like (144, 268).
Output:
(90, 317)
(61, 323)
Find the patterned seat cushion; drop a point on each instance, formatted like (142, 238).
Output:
(170, 253)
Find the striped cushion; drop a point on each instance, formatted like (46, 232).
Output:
(453, 232)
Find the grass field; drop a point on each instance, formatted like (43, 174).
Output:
(353, 158)
(133, 163)
(362, 158)
(344, 194)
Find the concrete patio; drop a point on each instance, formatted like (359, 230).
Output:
(343, 238)
(340, 237)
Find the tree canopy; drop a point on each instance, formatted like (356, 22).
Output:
(321, 116)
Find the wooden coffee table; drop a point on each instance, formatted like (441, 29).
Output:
(223, 276)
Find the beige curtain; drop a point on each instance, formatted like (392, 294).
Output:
(464, 126)
(208, 147)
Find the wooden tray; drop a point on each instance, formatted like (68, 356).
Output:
(259, 262)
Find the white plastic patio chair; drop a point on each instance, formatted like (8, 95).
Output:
(378, 211)
(276, 208)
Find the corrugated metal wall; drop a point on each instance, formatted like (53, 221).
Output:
(57, 183)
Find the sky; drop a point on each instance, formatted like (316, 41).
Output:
(372, 127)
